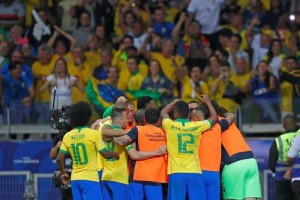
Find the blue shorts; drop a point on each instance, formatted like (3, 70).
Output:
(186, 184)
(145, 190)
(113, 190)
(100, 177)
(212, 185)
(89, 190)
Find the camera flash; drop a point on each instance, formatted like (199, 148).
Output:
(292, 17)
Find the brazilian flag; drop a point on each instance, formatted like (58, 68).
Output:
(101, 94)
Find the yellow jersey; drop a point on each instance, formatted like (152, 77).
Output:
(100, 158)
(188, 93)
(116, 170)
(39, 69)
(93, 59)
(82, 76)
(183, 140)
(82, 144)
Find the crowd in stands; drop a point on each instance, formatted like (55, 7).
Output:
(241, 53)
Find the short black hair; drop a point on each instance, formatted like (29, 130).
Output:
(152, 115)
(127, 36)
(80, 114)
(181, 108)
(143, 101)
(292, 58)
(237, 36)
(131, 48)
(225, 32)
(139, 116)
(223, 52)
(136, 58)
(13, 65)
(204, 109)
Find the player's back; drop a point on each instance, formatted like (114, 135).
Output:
(183, 139)
(81, 143)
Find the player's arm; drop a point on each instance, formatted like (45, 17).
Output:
(143, 155)
(225, 123)
(165, 112)
(127, 139)
(108, 154)
(212, 112)
(108, 131)
(60, 160)
(55, 150)
(273, 156)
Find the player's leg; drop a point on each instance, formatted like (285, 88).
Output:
(177, 186)
(136, 191)
(153, 191)
(195, 186)
(119, 190)
(211, 182)
(106, 191)
(76, 190)
(233, 181)
(252, 182)
(90, 190)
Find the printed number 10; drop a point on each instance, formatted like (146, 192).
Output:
(182, 145)
(76, 152)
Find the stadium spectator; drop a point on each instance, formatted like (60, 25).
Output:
(18, 93)
(81, 34)
(159, 24)
(156, 81)
(11, 13)
(62, 83)
(264, 91)
(278, 158)
(235, 52)
(41, 69)
(208, 15)
(192, 85)
(275, 56)
(293, 77)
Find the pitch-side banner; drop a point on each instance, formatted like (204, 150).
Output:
(34, 156)
(26, 156)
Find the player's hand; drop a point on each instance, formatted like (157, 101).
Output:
(95, 125)
(162, 150)
(205, 98)
(58, 144)
(288, 174)
(115, 155)
(65, 178)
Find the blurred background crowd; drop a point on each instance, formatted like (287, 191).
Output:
(245, 54)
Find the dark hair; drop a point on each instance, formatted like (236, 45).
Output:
(270, 53)
(127, 36)
(64, 41)
(225, 32)
(139, 116)
(213, 55)
(204, 109)
(181, 108)
(13, 65)
(237, 36)
(292, 58)
(136, 58)
(152, 115)
(223, 52)
(131, 48)
(85, 12)
(143, 101)
(80, 114)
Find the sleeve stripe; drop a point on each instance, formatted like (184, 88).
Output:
(130, 147)
(101, 150)
(63, 151)
(210, 122)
